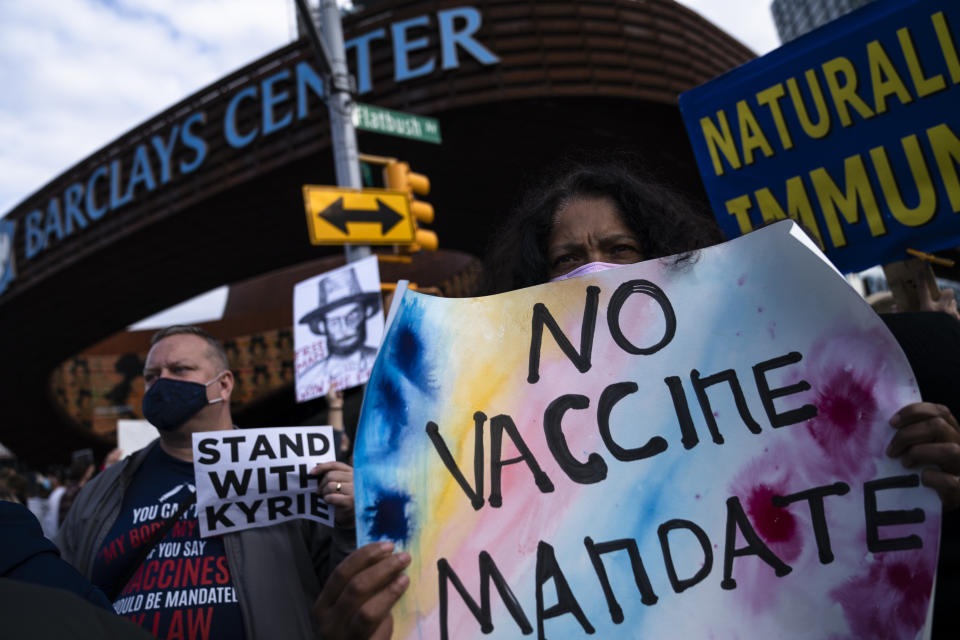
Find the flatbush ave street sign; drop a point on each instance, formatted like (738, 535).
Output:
(337, 215)
(396, 123)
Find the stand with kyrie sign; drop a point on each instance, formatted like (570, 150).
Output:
(257, 477)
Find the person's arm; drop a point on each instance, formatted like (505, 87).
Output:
(356, 601)
(335, 417)
(28, 556)
(928, 436)
(336, 488)
(357, 595)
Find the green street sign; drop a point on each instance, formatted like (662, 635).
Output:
(396, 123)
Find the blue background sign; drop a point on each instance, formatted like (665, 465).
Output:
(8, 269)
(853, 130)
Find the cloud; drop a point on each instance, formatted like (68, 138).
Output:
(749, 21)
(76, 74)
(79, 73)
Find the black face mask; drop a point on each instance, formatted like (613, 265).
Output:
(169, 403)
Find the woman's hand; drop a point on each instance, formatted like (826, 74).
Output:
(356, 600)
(336, 488)
(928, 436)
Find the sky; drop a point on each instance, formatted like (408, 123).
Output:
(77, 74)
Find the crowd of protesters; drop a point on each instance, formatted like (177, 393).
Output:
(48, 493)
(299, 579)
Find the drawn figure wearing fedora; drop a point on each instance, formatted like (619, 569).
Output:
(342, 317)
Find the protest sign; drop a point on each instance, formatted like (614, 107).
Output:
(338, 324)
(852, 129)
(47, 511)
(670, 449)
(250, 478)
(133, 435)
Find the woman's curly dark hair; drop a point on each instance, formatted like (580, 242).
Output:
(664, 221)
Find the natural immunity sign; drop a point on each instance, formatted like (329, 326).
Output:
(852, 130)
(257, 477)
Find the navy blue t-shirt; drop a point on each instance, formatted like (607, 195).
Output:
(183, 589)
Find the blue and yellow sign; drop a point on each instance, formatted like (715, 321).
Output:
(853, 130)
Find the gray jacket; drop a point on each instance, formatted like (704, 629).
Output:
(277, 571)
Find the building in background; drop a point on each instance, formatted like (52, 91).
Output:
(210, 191)
(796, 17)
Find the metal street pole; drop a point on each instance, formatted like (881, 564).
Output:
(343, 136)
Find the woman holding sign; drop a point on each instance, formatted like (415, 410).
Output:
(596, 217)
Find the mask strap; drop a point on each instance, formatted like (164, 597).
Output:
(215, 378)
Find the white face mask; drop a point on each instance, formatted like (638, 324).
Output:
(584, 269)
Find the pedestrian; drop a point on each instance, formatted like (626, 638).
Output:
(133, 529)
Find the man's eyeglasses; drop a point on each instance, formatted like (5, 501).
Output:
(350, 321)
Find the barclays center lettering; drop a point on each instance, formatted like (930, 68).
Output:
(280, 99)
(209, 191)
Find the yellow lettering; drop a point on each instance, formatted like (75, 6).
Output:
(798, 207)
(947, 45)
(770, 98)
(927, 204)
(822, 127)
(857, 191)
(924, 86)
(946, 151)
(721, 140)
(845, 93)
(751, 135)
(884, 78)
(739, 207)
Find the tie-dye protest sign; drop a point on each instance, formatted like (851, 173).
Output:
(671, 449)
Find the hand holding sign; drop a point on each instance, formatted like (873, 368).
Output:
(356, 599)
(617, 451)
(928, 435)
(336, 487)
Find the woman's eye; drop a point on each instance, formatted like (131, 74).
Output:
(564, 259)
(625, 248)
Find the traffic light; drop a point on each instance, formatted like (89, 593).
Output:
(397, 175)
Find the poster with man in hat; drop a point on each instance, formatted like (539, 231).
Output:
(338, 327)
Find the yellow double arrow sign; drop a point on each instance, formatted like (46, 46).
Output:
(336, 215)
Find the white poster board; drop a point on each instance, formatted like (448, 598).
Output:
(250, 478)
(338, 325)
(133, 435)
(669, 449)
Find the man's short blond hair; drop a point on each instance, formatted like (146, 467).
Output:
(217, 352)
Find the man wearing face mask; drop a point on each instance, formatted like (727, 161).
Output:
(133, 530)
